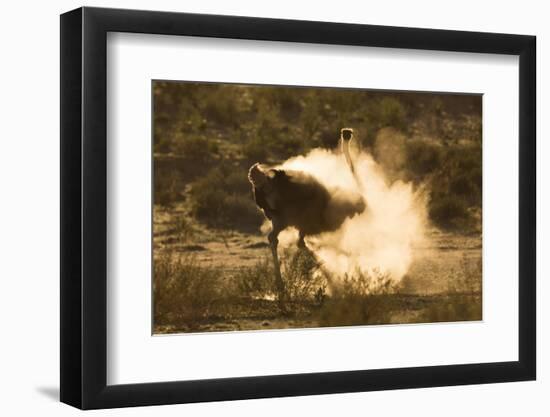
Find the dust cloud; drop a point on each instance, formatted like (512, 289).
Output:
(379, 240)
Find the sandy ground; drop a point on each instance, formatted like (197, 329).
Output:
(229, 250)
(438, 267)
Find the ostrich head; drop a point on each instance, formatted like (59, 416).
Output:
(346, 134)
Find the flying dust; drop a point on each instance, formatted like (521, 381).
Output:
(383, 237)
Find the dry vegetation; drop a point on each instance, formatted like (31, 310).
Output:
(212, 267)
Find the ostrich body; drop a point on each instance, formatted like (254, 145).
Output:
(291, 198)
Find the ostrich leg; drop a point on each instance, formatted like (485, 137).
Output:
(273, 242)
(301, 241)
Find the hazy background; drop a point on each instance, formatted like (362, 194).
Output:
(206, 129)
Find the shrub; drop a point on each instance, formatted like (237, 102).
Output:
(311, 118)
(183, 291)
(257, 281)
(236, 182)
(194, 147)
(163, 146)
(166, 186)
(329, 138)
(218, 105)
(456, 187)
(301, 276)
(463, 185)
(449, 212)
(392, 113)
(304, 285)
(213, 147)
(208, 202)
(223, 199)
(363, 298)
(423, 158)
(287, 102)
(241, 212)
(255, 151)
(288, 145)
(184, 228)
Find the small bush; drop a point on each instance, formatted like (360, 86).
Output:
(364, 298)
(463, 185)
(392, 113)
(236, 182)
(217, 108)
(456, 186)
(184, 229)
(257, 281)
(449, 212)
(208, 203)
(163, 146)
(223, 199)
(304, 285)
(423, 158)
(301, 276)
(183, 291)
(311, 118)
(194, 147)
(329, 138)
(288, 103)
(255, 151)
(166, 188)
(241, 212)
(289, 145)
(213, 147)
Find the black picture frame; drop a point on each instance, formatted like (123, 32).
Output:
(84, 207)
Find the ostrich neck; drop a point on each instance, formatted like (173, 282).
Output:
(345, 149)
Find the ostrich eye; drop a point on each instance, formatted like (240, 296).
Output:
(346, 134)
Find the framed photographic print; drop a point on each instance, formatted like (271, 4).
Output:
(257, 208)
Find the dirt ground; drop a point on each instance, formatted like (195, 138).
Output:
(445, 267)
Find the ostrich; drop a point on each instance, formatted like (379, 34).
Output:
(291, 198)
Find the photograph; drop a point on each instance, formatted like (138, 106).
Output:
(280, 207)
